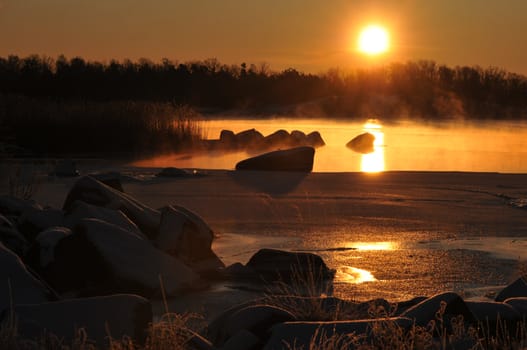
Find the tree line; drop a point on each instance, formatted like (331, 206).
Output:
(412, 89)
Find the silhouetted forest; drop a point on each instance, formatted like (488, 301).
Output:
(420, 89)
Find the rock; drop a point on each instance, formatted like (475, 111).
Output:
(101, 258)
(519, 304)
(13, 239)
(17, 284)
(42, 252)
(298, 138)
(33, 221)
(248, 138)
(490, 313)
(185, 235)
(228, 139)
(298, 159)
(94, 192)
(16, 206)
(257, 319)
(426, 310)
(306, 273)
(303, 335)
(362, 143)
(173, 172)
(243, 340)
(278, 139)
(115, 315)
(66, 168)
(111, 179)
(314, 139)
(516, 289)
(80, 210)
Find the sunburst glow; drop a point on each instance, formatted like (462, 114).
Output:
(374, 40)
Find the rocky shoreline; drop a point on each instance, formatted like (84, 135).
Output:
(99, 261)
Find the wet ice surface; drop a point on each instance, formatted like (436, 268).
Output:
(406, 266)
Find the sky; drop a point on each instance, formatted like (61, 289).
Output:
(309, 35)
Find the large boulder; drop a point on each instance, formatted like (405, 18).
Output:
(100, 317)
(299, 159)
(303, 273)
(257, 319)
(101, 258)
(516, 289)
(362, 143)
(493, 313)
(17, 284)
(449, 304)
(80, 210)
(304, 335)
(94, 192)
(185, 235)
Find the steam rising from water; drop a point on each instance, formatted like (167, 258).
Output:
(447, 146)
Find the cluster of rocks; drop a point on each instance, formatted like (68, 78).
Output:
(98, 261)
(252, 140)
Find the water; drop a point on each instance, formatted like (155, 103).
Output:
(483, 146)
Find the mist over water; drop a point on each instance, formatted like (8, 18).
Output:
(480, 146)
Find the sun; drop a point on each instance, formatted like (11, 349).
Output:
(374, 40)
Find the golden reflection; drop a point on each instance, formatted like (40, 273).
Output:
(373, 246)
(353, 275)
(374, 162)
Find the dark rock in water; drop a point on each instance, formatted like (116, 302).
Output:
(185, 235)
(299, 138)
(66, 168)
(298, 159)
(248, 138)
(18, 285)
(278, 139)
(516, 289)
(450, 303)
(278, 265)
(116, 316)
(257, 319)
(100, 258)
(314, 139)
(94, 192)
(173, 172)
(228, 139)
(362, 143)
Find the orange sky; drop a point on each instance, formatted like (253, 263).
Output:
(310, 35)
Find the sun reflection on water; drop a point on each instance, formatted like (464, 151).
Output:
(374, 162)
(354, 275)
(372, 245)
